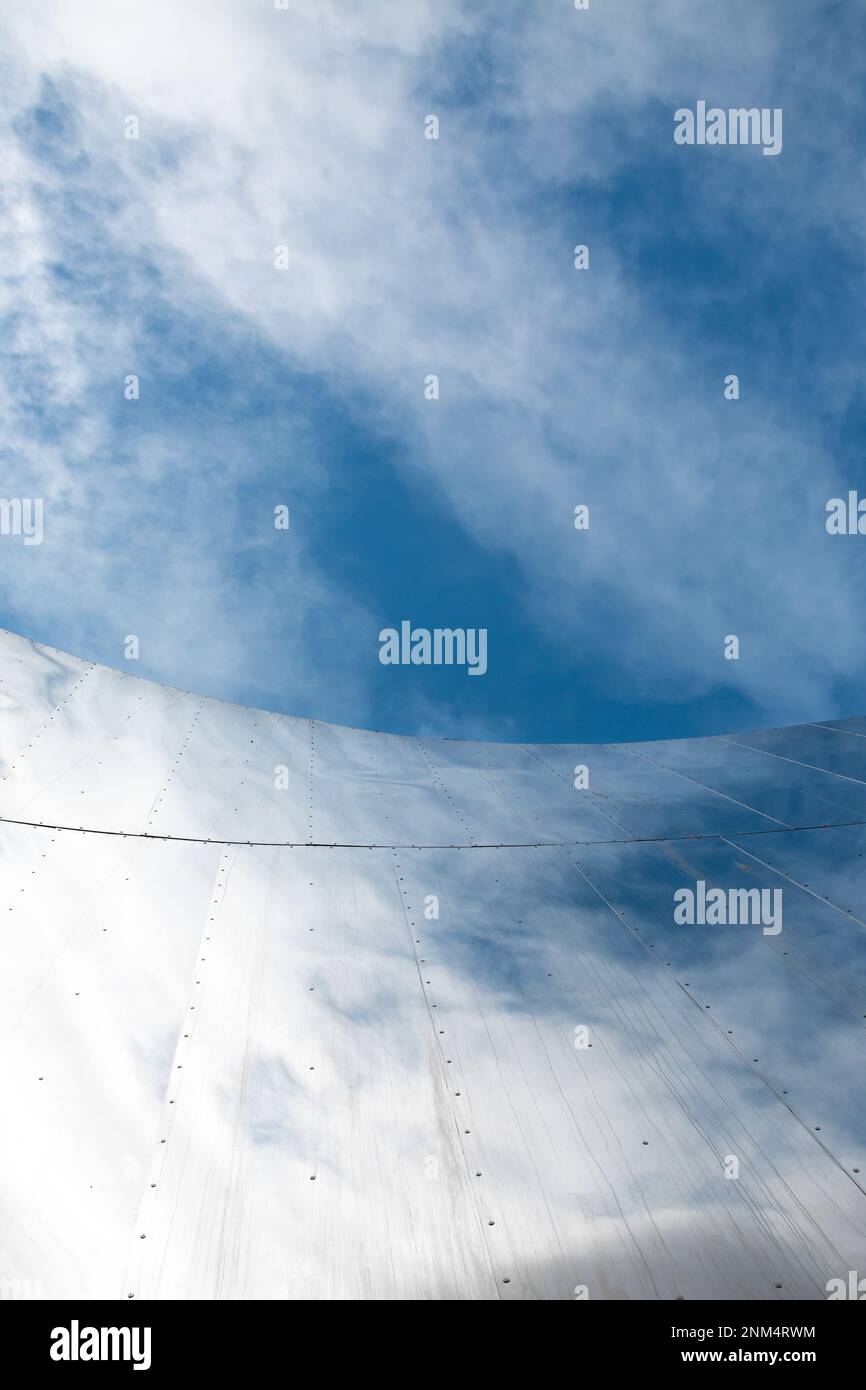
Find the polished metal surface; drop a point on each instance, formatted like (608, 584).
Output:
(297, 1011)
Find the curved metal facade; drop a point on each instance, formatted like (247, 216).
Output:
(297, 1011)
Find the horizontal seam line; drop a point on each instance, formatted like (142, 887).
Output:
(358, 844)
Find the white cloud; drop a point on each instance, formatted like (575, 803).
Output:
(306, 127)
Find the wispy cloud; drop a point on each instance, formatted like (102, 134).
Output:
(410, 257)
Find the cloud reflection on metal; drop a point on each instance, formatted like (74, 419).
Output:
(291, 1010)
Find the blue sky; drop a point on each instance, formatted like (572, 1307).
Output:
(455, 257)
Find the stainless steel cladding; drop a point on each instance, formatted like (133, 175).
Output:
(298, 1011)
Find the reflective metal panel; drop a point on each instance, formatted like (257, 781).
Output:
(297, 1011)
(648, 799)
(785, 792)
(812, 745)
